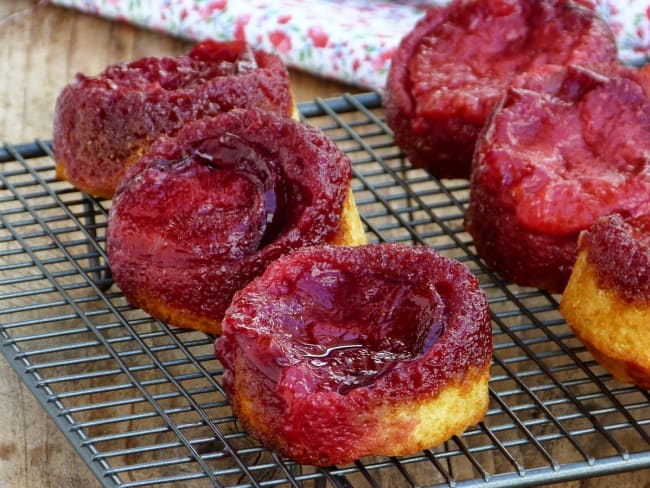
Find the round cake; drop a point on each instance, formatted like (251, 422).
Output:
(563, 148)
(204, 212)
(607, 299)
(452, 68)
(104, 124)
(339, 352)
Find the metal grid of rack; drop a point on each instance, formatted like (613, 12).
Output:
(142, 402)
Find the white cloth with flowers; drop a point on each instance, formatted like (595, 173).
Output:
(347, 40)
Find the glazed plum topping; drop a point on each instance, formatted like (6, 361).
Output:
(450, 71)
(580, 152)
(201, 225)
(247, 212)
(337, 326)
(232, 153)
(619, 250)
(464, 64)
(205, 211)
(206, 61)
(336, 348)
(355, 331)
(563, 147)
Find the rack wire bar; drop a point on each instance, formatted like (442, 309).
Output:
(142, 402)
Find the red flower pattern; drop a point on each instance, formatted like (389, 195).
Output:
(318, 36)
(284, 19)
(281, 41)
(216, 5)
(352, 41)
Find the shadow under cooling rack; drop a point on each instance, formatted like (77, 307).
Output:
(143, 405)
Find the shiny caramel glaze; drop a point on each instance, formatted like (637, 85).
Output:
(334, 350)
(204, 212)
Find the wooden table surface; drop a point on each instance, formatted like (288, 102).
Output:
(41, 48)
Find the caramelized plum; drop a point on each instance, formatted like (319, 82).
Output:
(204, 212)
(450, 71)
(550, 162)
(339, 352)
(103, 124)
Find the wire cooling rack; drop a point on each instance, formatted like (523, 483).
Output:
(143, 405)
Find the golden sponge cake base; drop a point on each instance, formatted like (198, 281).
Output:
(455, 408)
(392, 428)
(615, 331)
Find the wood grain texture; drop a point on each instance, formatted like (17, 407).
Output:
(41, 49)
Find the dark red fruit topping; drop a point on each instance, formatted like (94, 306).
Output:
(103, 124)
(451, 70)
(330, 340)
(345, 318)
(551, 161)
(203, 213)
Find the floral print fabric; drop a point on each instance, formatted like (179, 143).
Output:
(347, 40)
